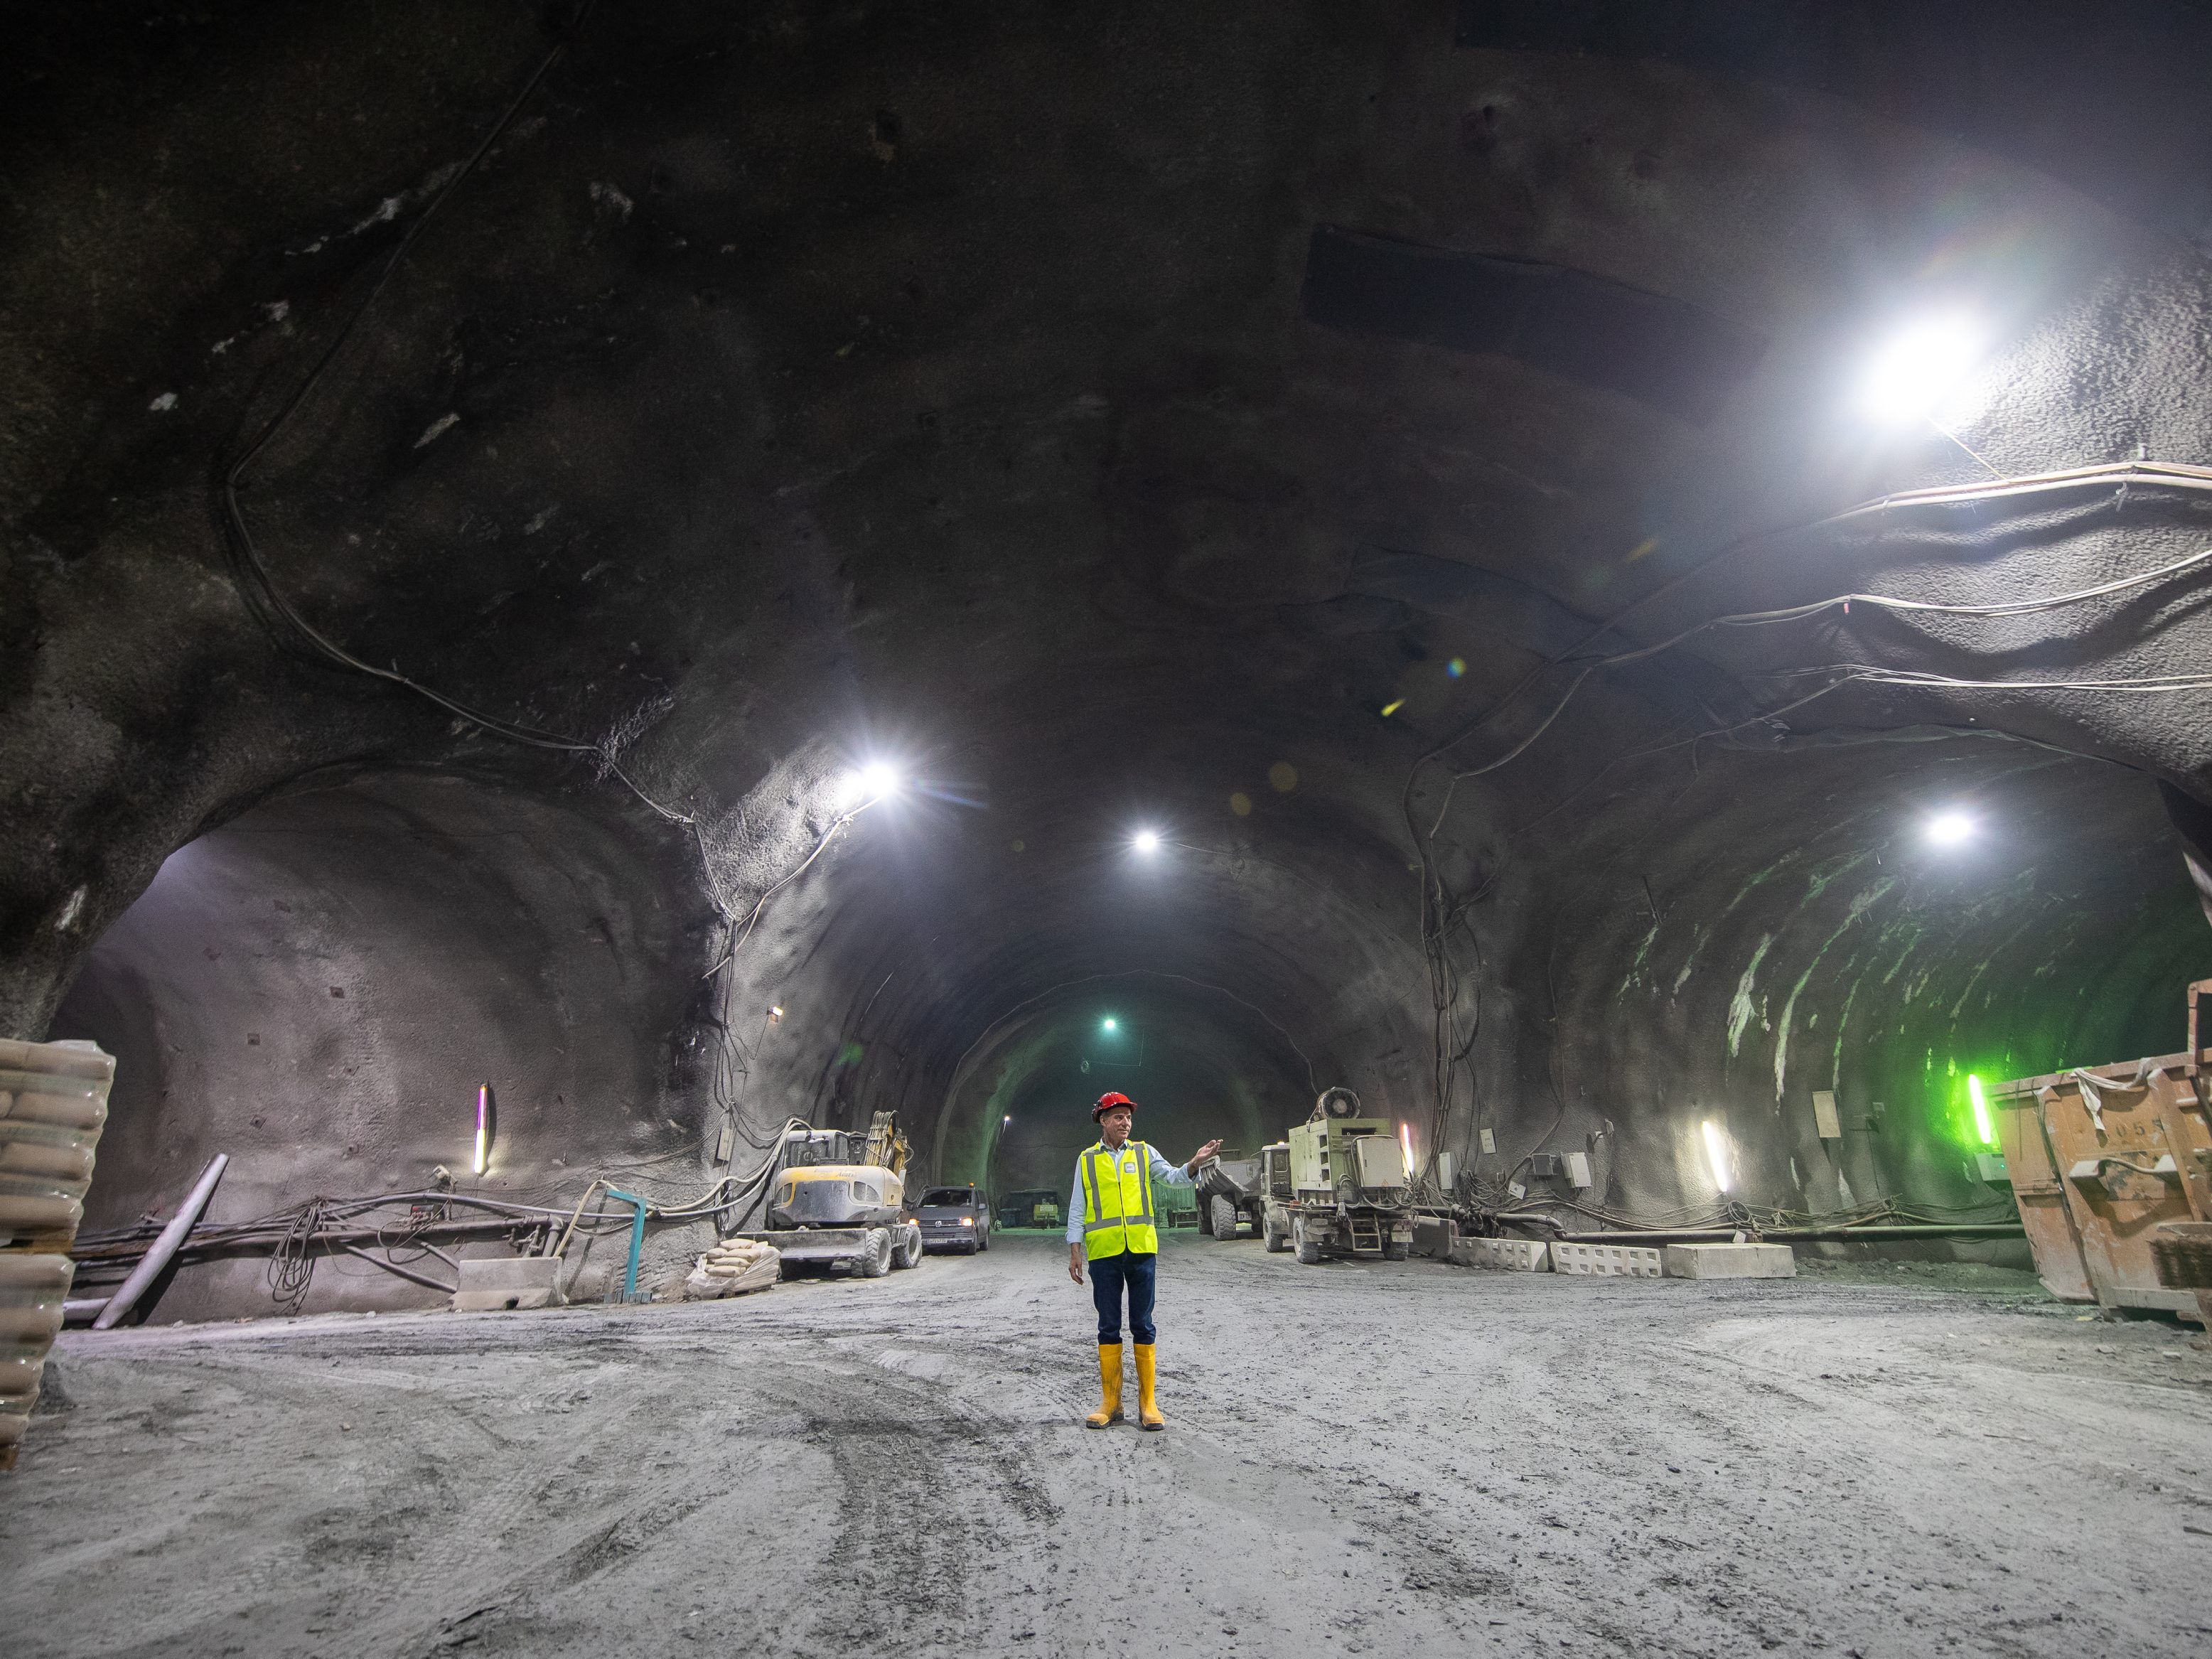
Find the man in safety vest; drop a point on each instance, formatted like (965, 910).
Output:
(1114, 1225)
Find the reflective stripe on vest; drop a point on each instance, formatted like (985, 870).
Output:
(1124, 1220)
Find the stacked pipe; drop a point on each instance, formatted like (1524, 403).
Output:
(53, 1104)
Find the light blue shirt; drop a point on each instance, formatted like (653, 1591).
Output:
(1173, 1174)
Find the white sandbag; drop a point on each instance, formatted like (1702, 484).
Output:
(710, 1280)
(700, 1285)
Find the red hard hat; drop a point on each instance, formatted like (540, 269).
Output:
(1108, 1102)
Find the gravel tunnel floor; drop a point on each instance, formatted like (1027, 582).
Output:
(1388, 1459)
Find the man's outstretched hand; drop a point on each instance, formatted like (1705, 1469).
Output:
(1075, 1262)
(1202, 1155)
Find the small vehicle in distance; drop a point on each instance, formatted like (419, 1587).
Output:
(1038, 1208)
(955, 1218)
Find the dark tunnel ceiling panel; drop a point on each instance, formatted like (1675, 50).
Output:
(2011, 77)
(1584, 328)
(1520, 612)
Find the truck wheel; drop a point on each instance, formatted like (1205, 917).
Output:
(983, 1239)
(1309, 1249)
(1276, 1240)
(908, 1254)
(1225, 1219)
(875, 1258)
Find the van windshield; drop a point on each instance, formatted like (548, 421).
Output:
(943, 1197)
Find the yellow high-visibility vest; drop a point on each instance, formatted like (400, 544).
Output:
(1117, 1201)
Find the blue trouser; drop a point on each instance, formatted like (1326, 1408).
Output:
(1110, 1276)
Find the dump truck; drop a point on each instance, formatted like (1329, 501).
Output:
(1231, 1188)
(1338, 1187)
(838, 1199)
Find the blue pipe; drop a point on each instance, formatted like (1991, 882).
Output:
(636, 1239)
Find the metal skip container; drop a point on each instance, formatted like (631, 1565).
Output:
(53, 1104)
(2110, 1163)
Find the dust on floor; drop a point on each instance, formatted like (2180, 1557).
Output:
(1376, 1459)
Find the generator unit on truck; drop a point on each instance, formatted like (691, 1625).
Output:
(838, 1199)
(1339, 1186)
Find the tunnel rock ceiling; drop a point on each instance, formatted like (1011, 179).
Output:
(785, 387)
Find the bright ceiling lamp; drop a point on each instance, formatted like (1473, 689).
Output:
(1950, 828)
(1918, 367)
(1717, 1154)
(866, 785)
(1109, 1024)
(1146, 841)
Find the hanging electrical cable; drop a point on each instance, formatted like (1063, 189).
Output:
(604, 754)
(1443, 913)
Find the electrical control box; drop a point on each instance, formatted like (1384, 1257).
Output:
(1578, 1171)
(1546, 1166)
(1382, 1161)
(1359, 1152)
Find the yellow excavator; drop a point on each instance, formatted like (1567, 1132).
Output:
(839, 1199)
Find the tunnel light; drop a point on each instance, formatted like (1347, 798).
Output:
(775, 1013)
(1146, 841)
(1983, 1126)
(866, 785)
(1950, 828)
(1406, 1144)
(482, 1159)
(1717, 1154)
(1109, 1024)
(1908, 378)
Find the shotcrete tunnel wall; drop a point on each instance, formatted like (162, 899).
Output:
(793, 386)
(1785, 924)
(317, 988)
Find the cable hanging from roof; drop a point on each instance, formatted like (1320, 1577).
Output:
(1443, 911)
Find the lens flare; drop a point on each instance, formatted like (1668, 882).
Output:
(1909, 378)
(482, 1160)
(1717, 1154)
(1950, 828)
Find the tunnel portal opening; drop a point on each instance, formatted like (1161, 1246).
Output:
(320, 988)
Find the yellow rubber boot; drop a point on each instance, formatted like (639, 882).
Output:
(1148, 1410)
(1109, 1378)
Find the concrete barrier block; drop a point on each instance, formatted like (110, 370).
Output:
(491, 1283)
(1514, 1255)
(1607, 1260)
(1731, 1262)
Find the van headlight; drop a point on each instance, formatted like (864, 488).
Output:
(967, 1220)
